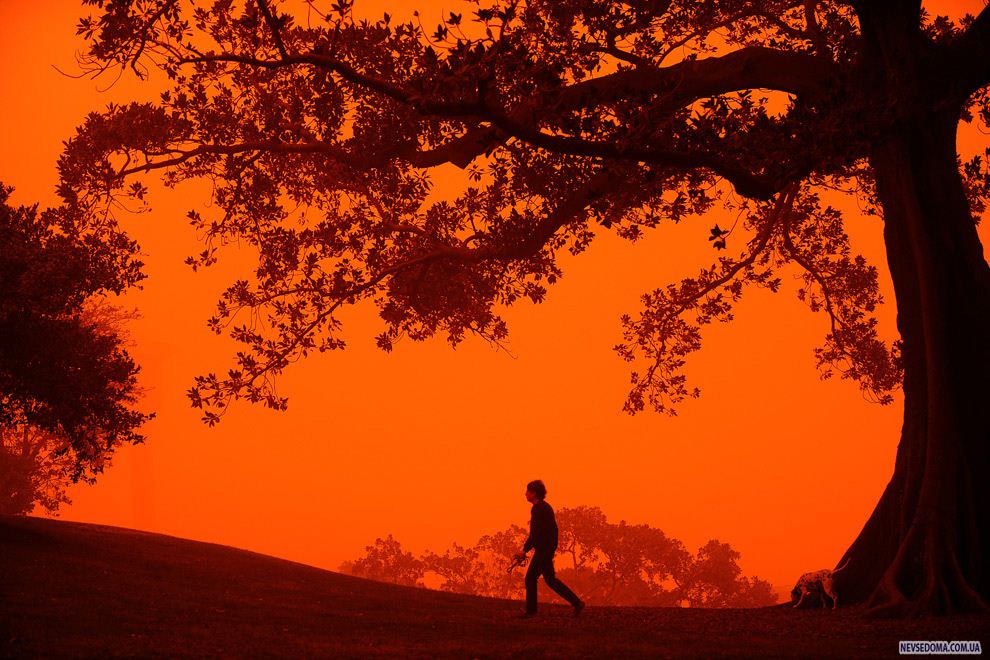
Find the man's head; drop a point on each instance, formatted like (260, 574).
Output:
(535, 490)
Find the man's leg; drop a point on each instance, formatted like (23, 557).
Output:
(550, 577)
(532, 575)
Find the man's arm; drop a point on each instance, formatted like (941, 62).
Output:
(531, 539)
(534, 527)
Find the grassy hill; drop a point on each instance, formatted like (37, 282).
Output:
(70, 589)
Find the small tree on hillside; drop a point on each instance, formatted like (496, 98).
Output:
(714, 579)
(386, 561)
(34, 470)
(461, 570)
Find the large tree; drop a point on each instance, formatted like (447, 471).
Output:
(321, 134)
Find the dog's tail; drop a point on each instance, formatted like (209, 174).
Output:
(844, 564)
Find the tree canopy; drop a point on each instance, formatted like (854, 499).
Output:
(320, 134)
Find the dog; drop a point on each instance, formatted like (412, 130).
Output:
(819, 582)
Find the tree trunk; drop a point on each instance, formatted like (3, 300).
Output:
(924, 549)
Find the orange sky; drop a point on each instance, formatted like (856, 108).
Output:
(435, 445)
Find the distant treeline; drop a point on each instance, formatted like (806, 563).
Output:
(605, 563)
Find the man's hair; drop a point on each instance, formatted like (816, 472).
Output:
(537, 488)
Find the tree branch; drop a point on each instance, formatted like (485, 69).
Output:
(459, 151)
(680, 304)
(681, 84)
(970, 54)
(568, 210)
(273, 26)
(780, 24)
(814, 28)
(677, 85)
(161, 11)
(395, 91)
(821, 279)
(324, 148)
(745, 182)
(781, 209)
(684, 83)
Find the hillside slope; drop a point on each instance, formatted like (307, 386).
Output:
(77, 589)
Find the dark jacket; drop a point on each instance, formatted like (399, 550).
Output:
(542, 529)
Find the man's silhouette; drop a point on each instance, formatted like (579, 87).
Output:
(543, 540)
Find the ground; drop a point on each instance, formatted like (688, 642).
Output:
(71, 589)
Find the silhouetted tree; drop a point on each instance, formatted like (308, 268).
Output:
(620, 564)
(460, 569)
(611, 564)
(67, 383)
(714, 579)
(32, 470)
(38, 465)
(499, 550)
(623, 564)
(488, 561)
(574, 117)
(753, 592)
(385, 561)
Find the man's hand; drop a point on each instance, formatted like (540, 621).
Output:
(518, 559)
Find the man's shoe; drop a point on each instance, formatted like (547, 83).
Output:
(578, 608)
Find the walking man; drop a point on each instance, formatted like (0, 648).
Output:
(543, 540)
